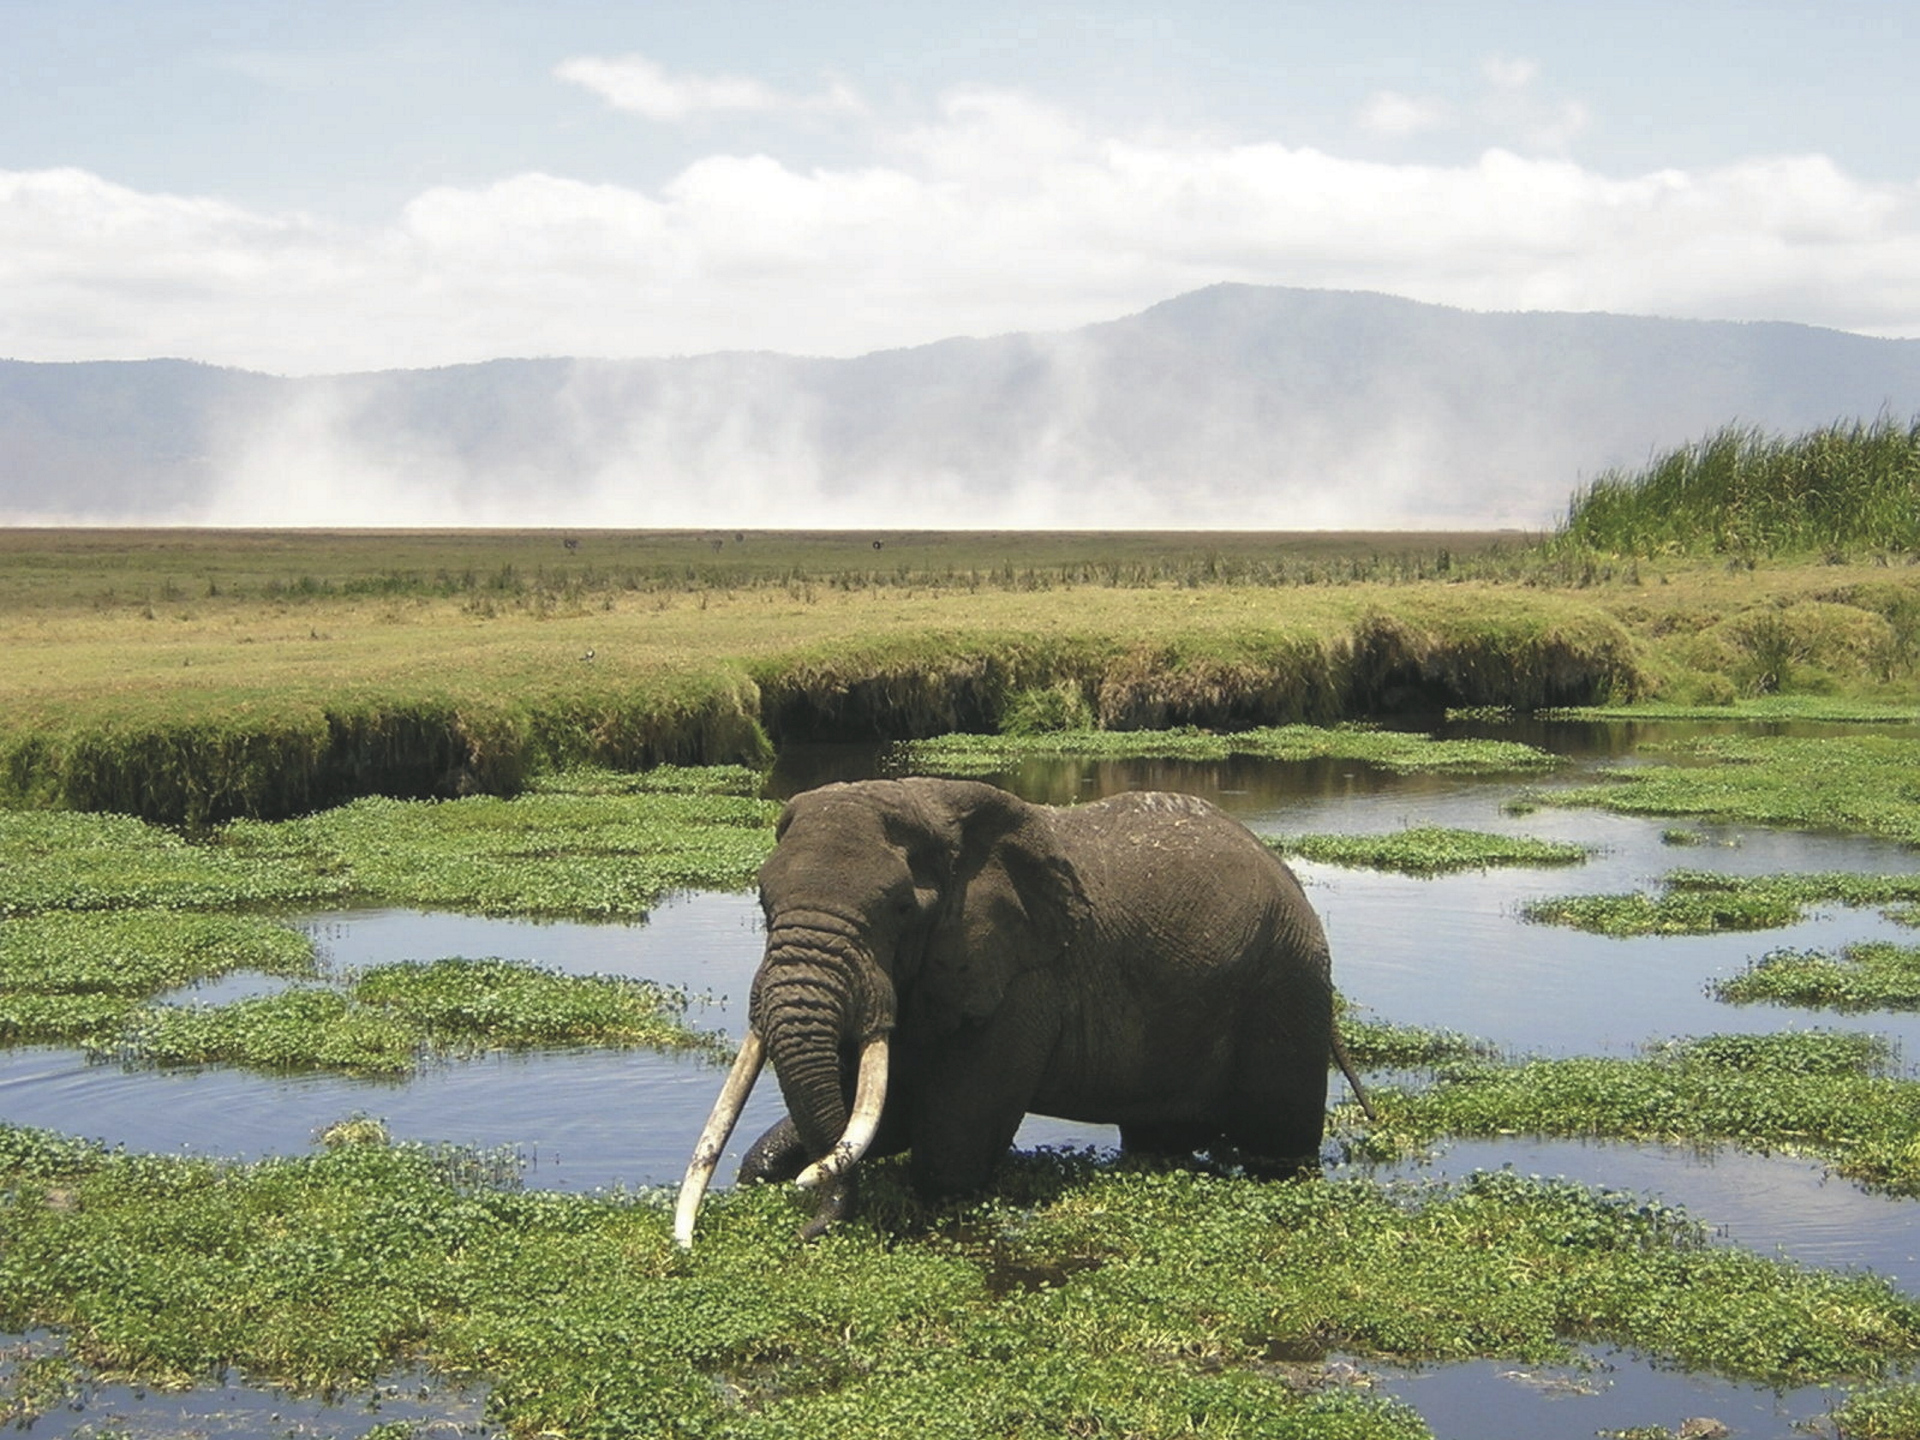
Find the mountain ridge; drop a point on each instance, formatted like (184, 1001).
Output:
(1231, 406)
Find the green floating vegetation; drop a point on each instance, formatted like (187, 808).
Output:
(593, 851)
(394, 1016)
(1430, 850)
(1703, 902)
(1389, 749)
(1086, 1298)
(1840, 782)
(1760, 710)
(1375, 1045)
(1871, 975)
(1812, 1093)
(1741, 491)
(1886, 1412)
(67, 975)
(743, 780)
(590, 855)
(58, 860)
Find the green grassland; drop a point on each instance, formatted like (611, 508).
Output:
(192, 676)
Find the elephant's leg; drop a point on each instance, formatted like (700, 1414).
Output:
(1276, 1113)
(970, 1096)
(776, 1156)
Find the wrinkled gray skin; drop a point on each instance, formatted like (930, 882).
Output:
(1144, 961)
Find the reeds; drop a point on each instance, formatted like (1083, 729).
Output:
(1741, 492)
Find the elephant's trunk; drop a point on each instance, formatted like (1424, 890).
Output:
(818, 995)
(869, 1098)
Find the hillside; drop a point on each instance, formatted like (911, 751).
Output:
(1233, 406)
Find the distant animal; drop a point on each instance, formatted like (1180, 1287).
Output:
(587, 655)
(876, 544)
(571, 543)
(943, 958)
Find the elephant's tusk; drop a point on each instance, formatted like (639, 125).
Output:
(713, 1140)
(869, 1096)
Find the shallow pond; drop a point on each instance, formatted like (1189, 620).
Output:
(1451, 952)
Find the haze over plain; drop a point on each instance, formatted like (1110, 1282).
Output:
(307, 191)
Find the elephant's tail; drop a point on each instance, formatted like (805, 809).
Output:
(1346, 1069)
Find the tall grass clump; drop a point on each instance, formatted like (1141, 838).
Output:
(1742, 492)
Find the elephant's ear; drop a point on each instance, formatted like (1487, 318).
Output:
(1013, 902)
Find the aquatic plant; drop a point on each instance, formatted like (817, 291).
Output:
(745, 780)
(1086, 1297)
(1396, 750)
(1836, 782)
(1702, 902)
(1807, 1092)
(1430, 850)
(1889, 1412)
(393, 1017)
(595, 851)
(1870, 975)
(578, 854)
(1377, 1045)
(1760, 710)
(67, 975)
(141, 952)
(54, 860)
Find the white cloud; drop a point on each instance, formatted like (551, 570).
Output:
(1514, 108)
(999, 214)
(633, 82)
(1388, 112)
(1509, 72)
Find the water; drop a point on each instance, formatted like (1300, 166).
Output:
(1450, 952)
(1608, 1392)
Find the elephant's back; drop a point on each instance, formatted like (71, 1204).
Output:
(1158, 825)
(1162, 867)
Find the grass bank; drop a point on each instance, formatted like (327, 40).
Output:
(191, 677)
(230, 708)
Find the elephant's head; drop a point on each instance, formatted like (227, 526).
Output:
(889, 904)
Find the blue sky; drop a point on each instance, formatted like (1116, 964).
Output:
(324, 187)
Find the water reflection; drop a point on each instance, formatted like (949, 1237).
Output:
(231, 1411)
(1608, 1393)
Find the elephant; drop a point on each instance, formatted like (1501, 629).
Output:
(953, 958)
